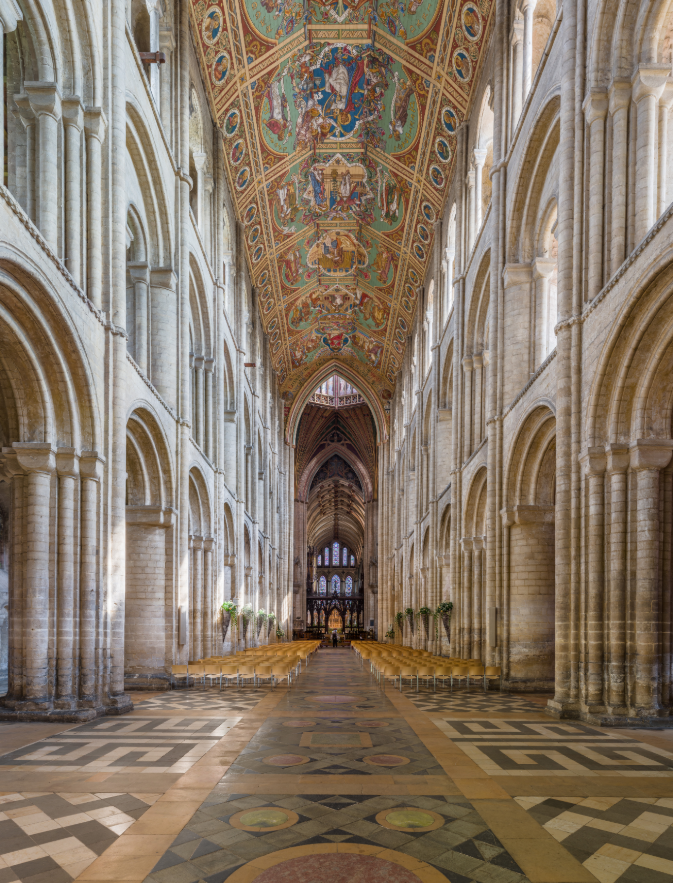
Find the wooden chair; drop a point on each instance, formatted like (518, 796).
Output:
(180, 673)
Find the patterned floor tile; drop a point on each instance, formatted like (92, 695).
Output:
(461, 846)
(229, 701)
(617, 839)
(155, 745)
(59, 835)
(528, 748)
(462, 702)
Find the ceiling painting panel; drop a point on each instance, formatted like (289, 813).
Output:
(339, 121)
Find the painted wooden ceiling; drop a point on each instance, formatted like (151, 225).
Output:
(338, 122)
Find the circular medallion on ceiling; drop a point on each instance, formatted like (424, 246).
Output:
(231, 123)
(220, 68)
(410, 819)
(264, 819)
(413, 275)
(471, 20)
(443, 150)
(248, 218)
(268, 306)
(423, 234)
(402, 323)
(300, 725)
(462, 65)
(353, 863)
(243, 178)
(437, 177)
(284, 760)
(257, 253)
(387, 760)
(211, 26)
(450, 120)
(419, 251)
(428, 212)
(254, 234)
(236, 155)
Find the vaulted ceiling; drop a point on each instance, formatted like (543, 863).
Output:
(338, 122)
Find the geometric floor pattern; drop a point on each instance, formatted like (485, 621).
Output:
(629, 840)
(228, 702)
(54, 837)
(211, 848)
(462, 702)
(554, 748)
(133, 744)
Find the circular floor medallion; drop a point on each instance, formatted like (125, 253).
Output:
(264, 818)
(373, 724)
(342, 866)
(286, 760)
(410, 819)
(386, 760)
(301, 725)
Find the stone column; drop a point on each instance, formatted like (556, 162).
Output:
(593, 461)
(67, 463)
(517, 73)
(45, 101)
(648, 458)
(37, 462)
(595, 110)
(209, 186)
(648, 85)
(10, 14)
(477, 381)
(477, 594)
(208, 546)
(664, 106)
(545, 312)
(470, 210)
(197, 610)
(467, 414)
(527, 8)
(29, 120)
(617, 464)
(200, 165)
(73, 122)
(466, 612)
(209, 368)
(479, 160)
(619, 103)
(199, 384)
(450, 256)
(140, 276)
(155, 76)
(91, 472)
(94, 127)
(167, 46)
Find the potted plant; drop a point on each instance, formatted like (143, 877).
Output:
(409, 613)
(399, 617)
(391, 633)
(444, 611)
(271, 619)
(247, 614)
(425, 613)
(229, 617)
(261, 618)
(280, 634)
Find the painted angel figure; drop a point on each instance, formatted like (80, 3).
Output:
(279, 117)
(399, 110)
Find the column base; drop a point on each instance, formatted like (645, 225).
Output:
(563, 709)
(612, 715)
(79, 711)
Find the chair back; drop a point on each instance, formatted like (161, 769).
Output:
(212, 669)
(180, 669)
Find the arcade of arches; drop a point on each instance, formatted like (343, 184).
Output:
(347, 316)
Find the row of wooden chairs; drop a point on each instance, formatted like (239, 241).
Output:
(400, 663)
(274, 663)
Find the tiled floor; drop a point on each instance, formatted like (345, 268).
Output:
(617, 839)
(55, 837)
(335, 778)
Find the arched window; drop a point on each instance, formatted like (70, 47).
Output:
(352, 560)
(319, 560)
(322, 586)
(326, 556)
(335, 554)
(349, 585)
(336, 583)
(345, 558)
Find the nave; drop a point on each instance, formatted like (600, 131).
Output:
(338, 776)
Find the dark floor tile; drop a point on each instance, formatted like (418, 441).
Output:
(7, 875)
(505, 860)
(37, 866)
(58, 875)
(168, 860)
(637, 874)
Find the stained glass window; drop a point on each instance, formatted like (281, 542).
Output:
(322, 586)
(336, 583)
(326, 556)
(352, 560)
(335, 554)
(345, 557)
(319, 560)
(349, 585)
